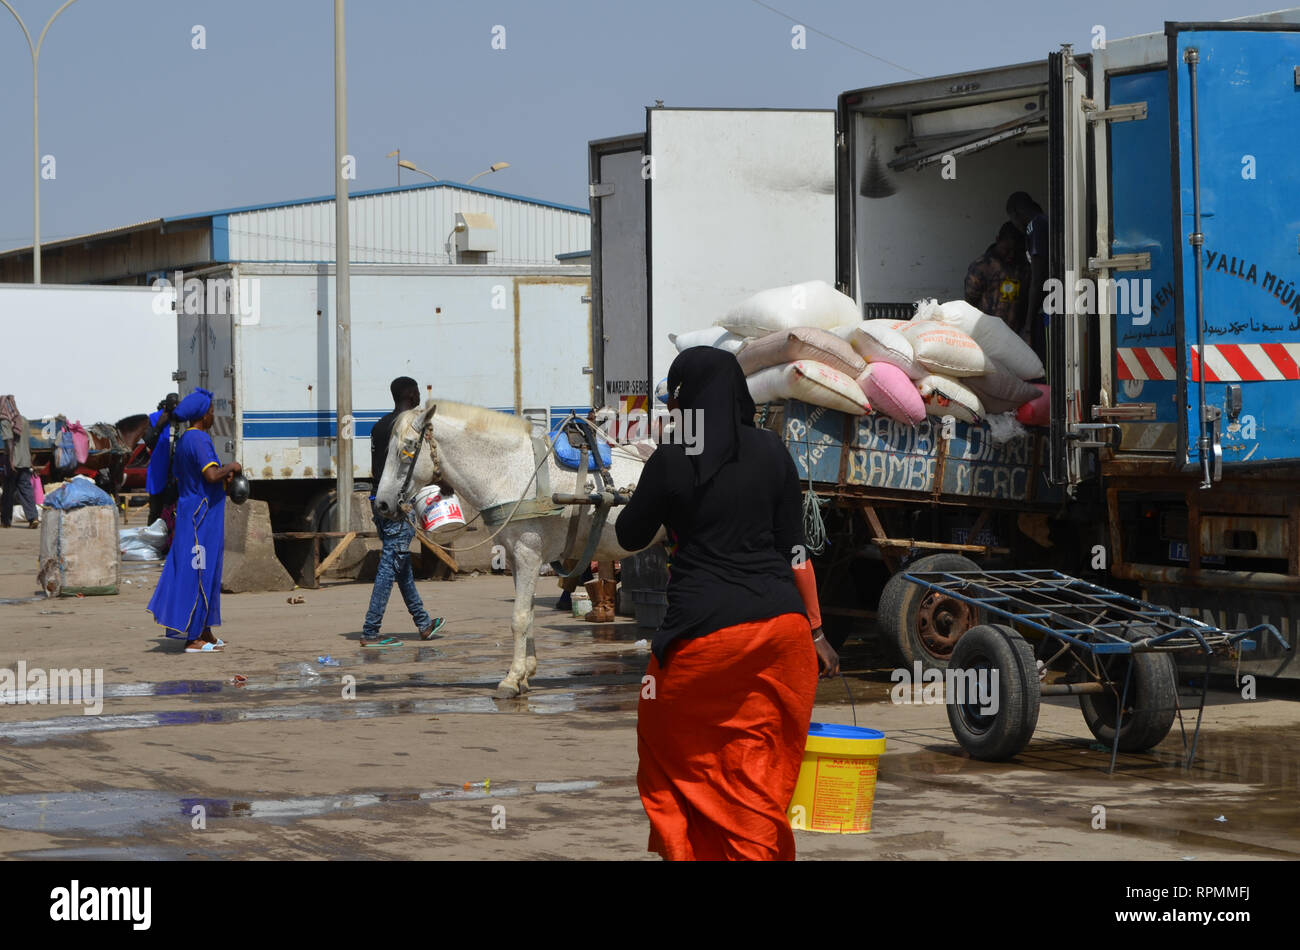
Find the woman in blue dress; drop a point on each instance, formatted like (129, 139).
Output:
(187, 601)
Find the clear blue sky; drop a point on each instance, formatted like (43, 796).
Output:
(144, 126)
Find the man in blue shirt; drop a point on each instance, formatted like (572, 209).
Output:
(158, 480)
(1028, 215)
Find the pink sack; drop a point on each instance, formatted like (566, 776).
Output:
(80, 441)
(38, 489)
(1038, 411)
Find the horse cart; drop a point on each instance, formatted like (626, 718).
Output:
(1044, 633)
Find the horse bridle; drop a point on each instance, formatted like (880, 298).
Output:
(408, 452)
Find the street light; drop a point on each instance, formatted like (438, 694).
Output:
(406, 164)
(491, 168)
(398, 153)
(35, 50)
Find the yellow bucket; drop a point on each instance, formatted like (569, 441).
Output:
(837, 781)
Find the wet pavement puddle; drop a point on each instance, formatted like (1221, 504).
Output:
(113, 812)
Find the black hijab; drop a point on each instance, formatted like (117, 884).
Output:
(709, 382)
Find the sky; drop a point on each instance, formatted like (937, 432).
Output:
(142, 125)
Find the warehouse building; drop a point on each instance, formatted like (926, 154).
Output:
(434, 223)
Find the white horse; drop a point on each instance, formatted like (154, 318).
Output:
(487, 457)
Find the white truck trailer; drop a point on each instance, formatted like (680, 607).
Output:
(90, 353)
(262, 338)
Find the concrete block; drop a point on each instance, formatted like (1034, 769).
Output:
(249, 560)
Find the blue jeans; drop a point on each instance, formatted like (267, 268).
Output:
(394, 564)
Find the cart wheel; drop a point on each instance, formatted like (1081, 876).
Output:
(1150, 707)
(922, 624)
(995, 736)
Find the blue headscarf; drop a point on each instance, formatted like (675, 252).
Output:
(194, 406)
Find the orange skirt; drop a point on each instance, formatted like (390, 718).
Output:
(721, 741)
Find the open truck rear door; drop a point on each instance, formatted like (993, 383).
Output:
(1234, 100)
(620, 318)
(1071, 334)
(707, 208)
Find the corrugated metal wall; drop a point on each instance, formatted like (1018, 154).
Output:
(407, 227)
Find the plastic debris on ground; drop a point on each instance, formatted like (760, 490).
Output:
(143, 544)
(327, 661)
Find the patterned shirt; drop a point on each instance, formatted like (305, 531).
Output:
(995, 286)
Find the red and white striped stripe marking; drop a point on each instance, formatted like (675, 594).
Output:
(1146, 362)
(1247, 362)
(1224, 362)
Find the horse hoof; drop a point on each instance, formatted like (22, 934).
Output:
(506, 692)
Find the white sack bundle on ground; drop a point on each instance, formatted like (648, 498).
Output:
(994, 337)
(143, 544)
(813, 303)
(810, 382)
(801, 343)
(879, 341)
(710, 336)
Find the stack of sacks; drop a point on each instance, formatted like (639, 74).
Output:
(978, 365)
(804, 363)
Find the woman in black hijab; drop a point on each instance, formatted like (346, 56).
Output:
(724, 715)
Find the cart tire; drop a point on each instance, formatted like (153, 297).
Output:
(917, 623)
(1152, 697)
(1005, 733)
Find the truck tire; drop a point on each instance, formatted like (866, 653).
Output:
(1151, 702)
(921, 624)
(1002, 734)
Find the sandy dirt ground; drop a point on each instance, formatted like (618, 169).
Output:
(182, 763)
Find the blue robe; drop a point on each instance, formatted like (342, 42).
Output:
(155, 479)
(188, 596)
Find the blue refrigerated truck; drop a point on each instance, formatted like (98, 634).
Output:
(1168, 170)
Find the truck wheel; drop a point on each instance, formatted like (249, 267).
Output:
(922, 624)
(994, 733)
(1149, 709)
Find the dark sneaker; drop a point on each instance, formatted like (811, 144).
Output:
(432, 630)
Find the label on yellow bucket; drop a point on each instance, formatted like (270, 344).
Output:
(843, 790)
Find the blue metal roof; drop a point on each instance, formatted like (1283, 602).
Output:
(377, 191)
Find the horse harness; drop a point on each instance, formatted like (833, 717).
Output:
(539, 506)
(542, 504)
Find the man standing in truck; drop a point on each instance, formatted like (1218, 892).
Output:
(397, 535)
(1028, 215)
(996, 281)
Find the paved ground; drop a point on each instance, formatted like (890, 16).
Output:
(285, 767)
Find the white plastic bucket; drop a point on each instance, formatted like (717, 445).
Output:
(435, 515)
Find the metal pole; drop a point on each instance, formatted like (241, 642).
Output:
(35, 50)
(1197, 239)
(342, 292)
(36, 179)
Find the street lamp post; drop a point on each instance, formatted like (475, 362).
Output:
(35, 50)
(489, 170)
(398, 153)
(411, 166)
(342, 284)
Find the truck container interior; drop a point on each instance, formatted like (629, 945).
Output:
(932, 164)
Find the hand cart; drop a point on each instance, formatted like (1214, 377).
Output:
(1116, 653)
